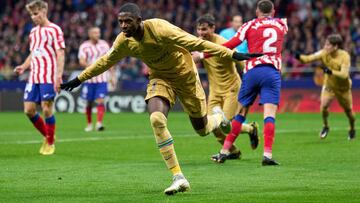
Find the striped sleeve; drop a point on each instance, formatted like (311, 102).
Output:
(241, 33)
(59, 38)
(82, 53)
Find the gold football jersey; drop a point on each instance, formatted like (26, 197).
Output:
(164, 48)
(222, 73)
(338, 63)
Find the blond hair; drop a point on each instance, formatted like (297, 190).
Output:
(36, 5)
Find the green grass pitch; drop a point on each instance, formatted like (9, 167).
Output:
(122, 164)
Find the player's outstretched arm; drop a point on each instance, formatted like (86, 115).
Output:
(245, 56)
(309, 58)
(70, 85)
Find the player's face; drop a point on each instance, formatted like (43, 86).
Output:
(205, 31)
(237, 22)
(329, 47)
(129, 24)
(38, 16)
(94, 34)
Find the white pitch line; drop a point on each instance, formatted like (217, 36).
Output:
(149, 136)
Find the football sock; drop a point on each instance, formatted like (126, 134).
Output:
(88, 112)
(351, 116)
(50, 126)
(214, 122)
(236, 125)
(39, 124)
(164, 141)
(100, 112)
(325, 115)
(220, 137)
(269, 134)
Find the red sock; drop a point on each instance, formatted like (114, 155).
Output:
(39, 124)
(100, 112)
(50, 126)
(269, 134)
(88, 112)
(231, 137)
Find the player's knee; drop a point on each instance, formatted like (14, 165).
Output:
(158, 120)
(30, 112)
(47, 111)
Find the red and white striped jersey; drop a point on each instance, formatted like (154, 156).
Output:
(44, 41)
(264, 35)
(91, 52)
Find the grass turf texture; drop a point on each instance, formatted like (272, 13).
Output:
(122, 164)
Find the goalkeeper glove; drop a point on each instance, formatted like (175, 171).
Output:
(70, 85)
(241, 56)
(327, 71)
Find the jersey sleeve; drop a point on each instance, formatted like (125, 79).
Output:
(115, 54)
(239, 37)
(312, 57)
(171, 34)
(82, 52)
(59, 41)
(345, 68)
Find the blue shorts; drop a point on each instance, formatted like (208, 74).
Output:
(39, 92)
(264, 80)
(93, 91)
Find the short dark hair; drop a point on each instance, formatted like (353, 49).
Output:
(130, 8)
(335, 40)
(207, 18)
(265, 6)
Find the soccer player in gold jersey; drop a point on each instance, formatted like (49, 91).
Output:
(337, 82)
(224, 82)
(164, 48)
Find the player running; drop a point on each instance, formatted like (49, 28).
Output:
(164, 48)
(224, 82)
(95, 89)
(46, 63)
(337, 82)
(264, 34)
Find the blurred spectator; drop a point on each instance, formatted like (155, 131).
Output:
(309, 22)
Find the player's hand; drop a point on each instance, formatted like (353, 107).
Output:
(327, 71)
(19, 69)
(57, 83)
(70, 85)
(242, 56)
(197, 56)
(297, 55)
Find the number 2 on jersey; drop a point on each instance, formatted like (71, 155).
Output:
(271, 33)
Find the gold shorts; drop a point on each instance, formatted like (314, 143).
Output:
(187, 89)
(344, 97)
(228, 102)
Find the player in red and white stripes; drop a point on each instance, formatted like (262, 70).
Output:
(265, 34)
(95, 89)
(46, 63)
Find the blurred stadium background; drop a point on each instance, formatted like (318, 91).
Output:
(309, 23)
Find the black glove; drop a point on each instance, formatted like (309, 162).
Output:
(70, 85)
(241, 56)
(297, 55)
(327, 71)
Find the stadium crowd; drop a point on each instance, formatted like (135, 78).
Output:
(309, 22)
